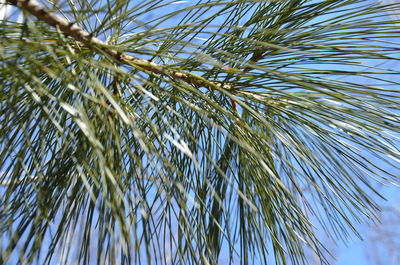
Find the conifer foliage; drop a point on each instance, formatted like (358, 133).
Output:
(184, 132)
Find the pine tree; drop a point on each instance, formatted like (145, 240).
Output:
(179, 132)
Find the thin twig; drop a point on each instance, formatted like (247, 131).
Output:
(72, 30)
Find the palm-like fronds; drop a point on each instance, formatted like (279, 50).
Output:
(170, 132)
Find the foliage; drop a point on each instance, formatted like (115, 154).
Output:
(175, 132)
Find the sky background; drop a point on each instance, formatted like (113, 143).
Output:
(380, 243)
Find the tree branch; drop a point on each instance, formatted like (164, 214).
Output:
(72, 30)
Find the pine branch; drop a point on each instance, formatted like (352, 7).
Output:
(72, 30)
